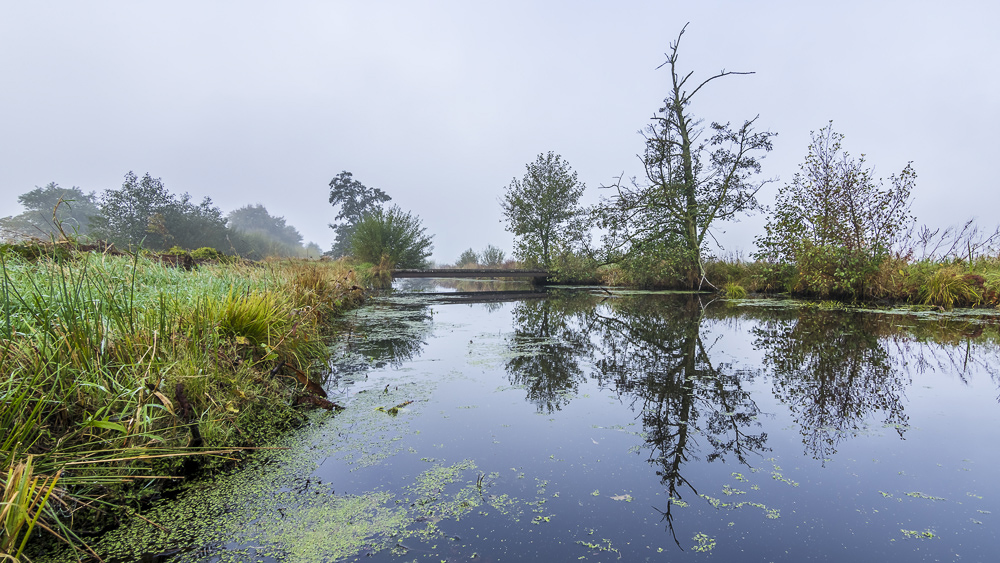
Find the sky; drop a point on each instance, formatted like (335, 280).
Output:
(442, 104)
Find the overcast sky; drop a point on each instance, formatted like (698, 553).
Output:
(441, 104)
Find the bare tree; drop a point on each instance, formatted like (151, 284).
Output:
(689, 185)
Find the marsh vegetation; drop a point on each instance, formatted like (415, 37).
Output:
(123, 374)
(627, 425)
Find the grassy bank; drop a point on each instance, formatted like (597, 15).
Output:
(946, 283)
(939, 283)
(120, 371)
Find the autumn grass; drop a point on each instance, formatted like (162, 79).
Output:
(944, 283)
(937, 283)
(116, 368)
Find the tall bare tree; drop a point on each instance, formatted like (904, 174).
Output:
(690, 183)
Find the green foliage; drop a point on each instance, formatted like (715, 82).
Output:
(261, 235)
(206, 253)
(467, 258)
(834, 221)
(947, 287)
(96, 346)
(657, 263)
(829, 270)
(492, 257)
(395, 234)
(574, 267)
(733, 290)
(543, 211)
(355, 201)
(688, 184)
(145, 212)
(25, 497)
(51, 208)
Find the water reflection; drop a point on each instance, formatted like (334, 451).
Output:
(652, 353)
(690, 405)
(839, 373)
(389, 333)
(549, 343)
(833, 371)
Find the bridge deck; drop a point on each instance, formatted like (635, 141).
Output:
(469, 273)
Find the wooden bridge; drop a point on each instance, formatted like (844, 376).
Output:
(537, 276)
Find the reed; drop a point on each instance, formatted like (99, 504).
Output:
(97, 349)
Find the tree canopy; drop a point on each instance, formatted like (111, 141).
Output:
(834, 213)
(144, 212)
(354, 200)
(690, 182)
(543, 210)
(393, 233)
(72, 208)
(256, 219)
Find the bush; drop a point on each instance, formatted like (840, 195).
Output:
(828, 270)
(947, 287)
(733, 290)
(206, 253)
(392, 233)
(491, 256)
(467, 258)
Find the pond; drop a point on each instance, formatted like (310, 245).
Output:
(582, 424)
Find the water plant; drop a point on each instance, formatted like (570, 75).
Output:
(25, 496)
(947, 287)
(120, 367)
(733, 290)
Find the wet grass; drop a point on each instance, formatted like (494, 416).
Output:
(943, 284)
(119, 372)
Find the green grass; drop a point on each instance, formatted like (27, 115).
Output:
(96, 351)
(943, 283)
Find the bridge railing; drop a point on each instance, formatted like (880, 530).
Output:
(470, 273)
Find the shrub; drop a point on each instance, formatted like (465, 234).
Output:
(491, 256)
(206, 253)
(393, 233)
(947, 287)
(733, 290)
(467, 258)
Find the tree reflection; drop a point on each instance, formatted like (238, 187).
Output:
(388, 333)
(836, 371)
(652, 350)
(548, 345)
(833, 371)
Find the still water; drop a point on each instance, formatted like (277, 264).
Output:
(634, 426)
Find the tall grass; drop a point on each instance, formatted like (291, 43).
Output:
(110, 361)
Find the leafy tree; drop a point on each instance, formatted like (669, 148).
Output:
(256, 219)
(355, 200)
(835, 221)
(492, 256)
(312, 250)
(258, 234)
(543, 210)
(144, 211)
(394, 233)
(135, 212)
(75, 208)
(468, 257)
(195, 226)
(689, 183)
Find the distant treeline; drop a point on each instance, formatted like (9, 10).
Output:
(143, 212)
